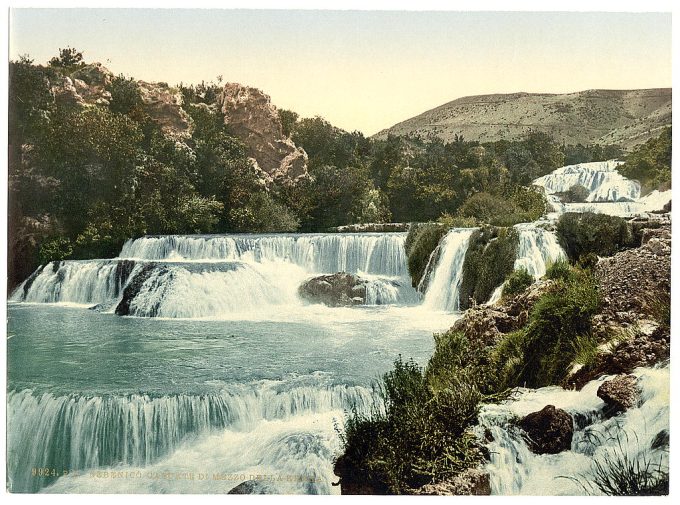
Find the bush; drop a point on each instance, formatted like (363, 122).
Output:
(541, 353)
(577, 193)
(262, 214)
(421, 241)
(450, 221)
(600, 234)
(421, 434)
(560, 269)
(517, 282)
(490, 258)
(55, 249)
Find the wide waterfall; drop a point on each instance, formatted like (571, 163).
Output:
(224, 275)
(636, 435)
(88, 432)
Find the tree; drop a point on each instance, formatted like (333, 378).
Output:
(67, 58)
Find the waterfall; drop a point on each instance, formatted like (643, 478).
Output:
(371, 253)
(85, 282)
(609, 191)
(213, 276)
(444, 285)
(600, 178)
(537, 249)
(514, 469)
(88, 432)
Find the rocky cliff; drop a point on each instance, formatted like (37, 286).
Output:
(624, 117)
(248, 113)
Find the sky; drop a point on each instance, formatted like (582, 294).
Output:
(361, 70)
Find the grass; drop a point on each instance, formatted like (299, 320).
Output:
(518, 281)
(557, 332)
(618, 474)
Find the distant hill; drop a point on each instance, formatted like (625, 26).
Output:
(624, 117)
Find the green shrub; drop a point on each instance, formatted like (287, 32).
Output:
(560, 269)
(600, 234)
(421, 241)
(263, 214)
(450, 221)
(585, 350)
(577, 193)
(650, 163)
(521, 205)
(56, 249)
(517, 282)
(421, 433)
(490, 258)
(541, 353)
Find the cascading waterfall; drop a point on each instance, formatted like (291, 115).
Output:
(442, 292)
(77, 432)
(609, 191)
(217, 276)
(637, 434)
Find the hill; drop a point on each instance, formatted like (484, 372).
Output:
(624, 117)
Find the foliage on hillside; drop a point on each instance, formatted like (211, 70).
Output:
(650, 163)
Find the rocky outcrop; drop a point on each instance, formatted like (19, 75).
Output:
(471, 482)
(163, 104)
(619, 393)
(648, 344)
(549, 431)
(254, 487)
(85, 86)
(250, 116)
(486, 323)
(336, 290)
(632, 282)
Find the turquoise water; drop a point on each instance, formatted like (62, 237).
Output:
(231, 398)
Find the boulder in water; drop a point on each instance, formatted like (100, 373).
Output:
(336, 290)
(254, 487)
(549, 431)
(619, 393)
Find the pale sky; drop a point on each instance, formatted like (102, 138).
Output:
(361, 70)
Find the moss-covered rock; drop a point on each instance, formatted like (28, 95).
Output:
(421, 241)
(490, 258)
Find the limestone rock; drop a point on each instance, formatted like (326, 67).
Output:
(250, 116)
(163, 104)
(340, 289)
(549, 431)
(619, 393)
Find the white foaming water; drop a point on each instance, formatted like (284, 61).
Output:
(444, 286)
(83, 282)
(600, 178)
(537, 249)
(372, 253)
(225, 276)
(514, 469)
(78, 432)
(609, 191)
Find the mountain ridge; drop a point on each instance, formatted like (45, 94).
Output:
(594, 116)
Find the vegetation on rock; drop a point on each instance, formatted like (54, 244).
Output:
(586, 233)
(489, 259)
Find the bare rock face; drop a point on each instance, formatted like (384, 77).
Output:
(163, 104)
(85, 86)
(251, 117)
(619, 393)
(336, 290)
(549, 431)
